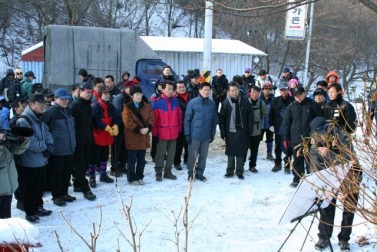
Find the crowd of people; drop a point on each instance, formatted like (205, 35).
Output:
(74, 131)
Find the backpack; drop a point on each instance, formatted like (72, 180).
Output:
(14, 91)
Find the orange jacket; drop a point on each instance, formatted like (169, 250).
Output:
(332, 73)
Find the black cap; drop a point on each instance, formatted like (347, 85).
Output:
(87, 86)
(37, 98)
(30, 73)
(36, 87)
(298, 90)
(194, 75)
(238, 79)
(47, 92)
(318, 125)
(319, 91)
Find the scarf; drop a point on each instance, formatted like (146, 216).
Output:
(184, 96)
(233, 116)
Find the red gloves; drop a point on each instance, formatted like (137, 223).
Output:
(287, 144)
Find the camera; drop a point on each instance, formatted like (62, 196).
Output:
(15, 135)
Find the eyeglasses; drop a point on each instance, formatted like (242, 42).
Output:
(247, 72)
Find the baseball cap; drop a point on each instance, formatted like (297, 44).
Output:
(283, 85)
(318, 125)
(47, 92)
(194, 75)
(37, 98)
(30, 73)
(298, 90)
(247, 69)
(36, 87)
(130, 84)
(286, 70)
(319, 91)
(61, 93)
(87, 86)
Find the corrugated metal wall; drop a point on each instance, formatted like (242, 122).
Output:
(36, 67)
(231, 64)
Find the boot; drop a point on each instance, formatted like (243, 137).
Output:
(105, 178)
(276, 168)
(92, 182)
(169, 175)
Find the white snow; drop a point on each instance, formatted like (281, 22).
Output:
(16, 229)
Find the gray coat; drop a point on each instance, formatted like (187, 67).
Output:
(8, 172)
(62, 128)
(257, 129)
(33, 156)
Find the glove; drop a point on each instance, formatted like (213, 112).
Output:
(287, 144)
(188, 139)
(156, 137)
(212, 138)
(115, 130)
(272, 129)
(108, 129)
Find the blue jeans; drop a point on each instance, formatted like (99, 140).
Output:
(138, 173)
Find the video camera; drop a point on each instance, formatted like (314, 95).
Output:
(15, 134)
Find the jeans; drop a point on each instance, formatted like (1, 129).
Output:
(133, 157)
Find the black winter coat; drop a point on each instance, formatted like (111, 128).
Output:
(343, 112)
(248, 82)
(297, 118)
(219, 86)
(89, 79)
(193, 90)
(82, 112)
(237, 143)
(277, 105)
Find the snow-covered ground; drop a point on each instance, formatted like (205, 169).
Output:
(237, 215)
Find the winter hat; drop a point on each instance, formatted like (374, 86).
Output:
(283, 85)
(61, 93)
(298, 90)
(318, 125)
(126, 73)
(319, 91)
(36, 87)
(129, 84)
(286, 70)
(47, 92)
(267, 85)
(247, 69)
(237, 79)
(83, 73)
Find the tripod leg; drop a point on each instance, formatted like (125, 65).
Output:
(307, 233)
(293, 229)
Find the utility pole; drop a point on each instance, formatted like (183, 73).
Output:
(305, 83)
(207, 48)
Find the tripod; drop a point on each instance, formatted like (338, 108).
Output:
(317, 203)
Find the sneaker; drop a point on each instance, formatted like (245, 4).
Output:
(158, 177)
(170, 175)
(116, 173)
(89, 195)
(240, 176)
(59, 201)
(105, 178)
(201, 178)
(253, 169)
(287, 170)
(141, 182)
(77, 189)
(344, 246)
(69, 198)
(270, 157)
(20, 206)
(92, 182)
(276, 168)
(294, 184)
(178, 166)
(32, 218)
(43, 212)
(321, 244)
(135, 183)
(228, 175)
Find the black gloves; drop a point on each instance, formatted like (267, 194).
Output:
(188, 139)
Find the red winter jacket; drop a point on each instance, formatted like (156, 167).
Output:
(167, 118)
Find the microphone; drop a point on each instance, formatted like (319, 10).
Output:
(21, 131)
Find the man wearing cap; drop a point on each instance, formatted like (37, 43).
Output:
(109, 81)
(34, 160)
(322, 85)
(61, 125)
(296, 124)
(219, 87)
(248, 80)
(6, 82)
(276, 114)
(287, 75)
(49, 97)
(267, 97)
(36, 88)
(320, 97)
(82, 113)
(26, 84)
(331, 147)
(193, 86)
(84, 76)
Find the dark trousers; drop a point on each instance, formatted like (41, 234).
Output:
(269, 135)
(235, 163)
(218, 101)
(254, 141)
(119, 154)
(181, 144)
(278, 152)
(34, 182)
(81, 164)
(5, 206)
(19, 193)
(328, 218)
(154, 146)
(60, 173)
(298, 164)
(98, 154)
(133, 157)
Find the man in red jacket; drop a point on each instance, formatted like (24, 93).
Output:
(167, 125)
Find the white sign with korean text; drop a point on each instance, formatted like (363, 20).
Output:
(295, 22)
